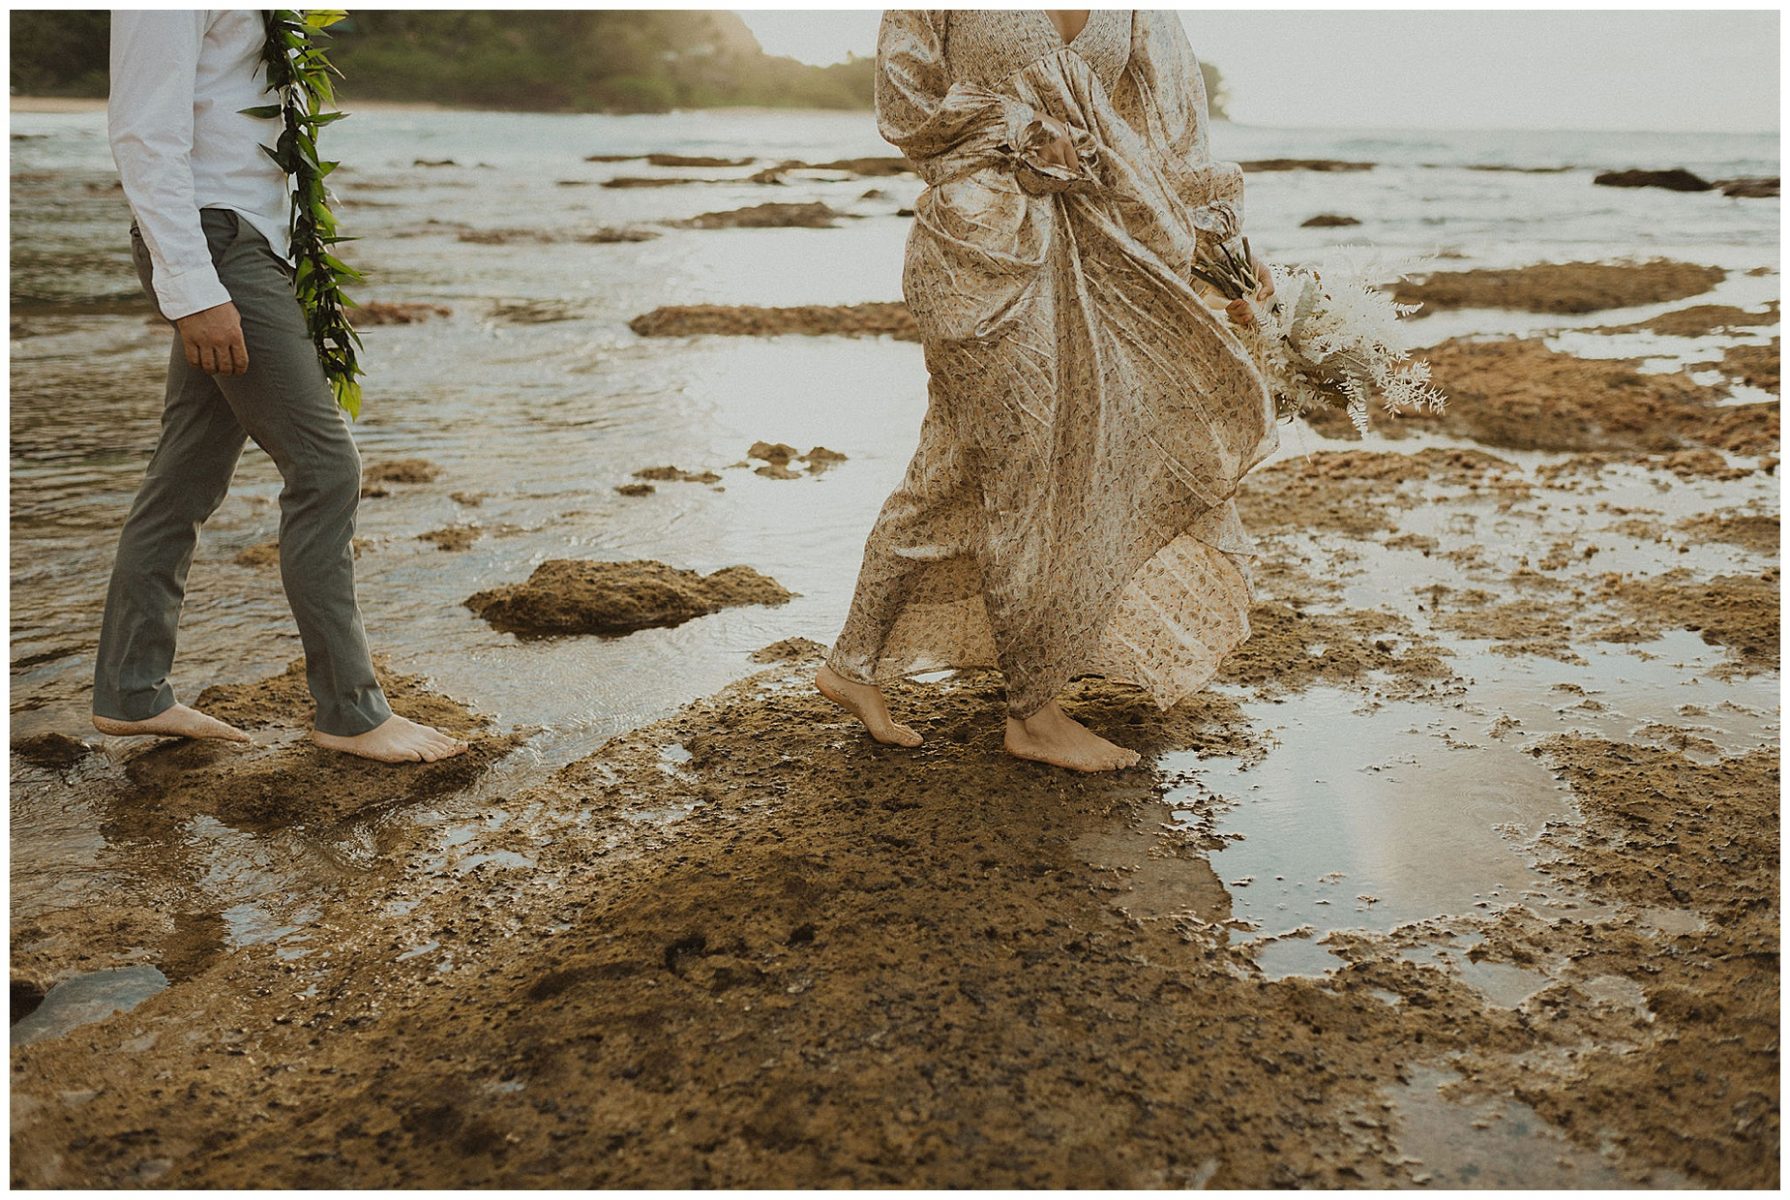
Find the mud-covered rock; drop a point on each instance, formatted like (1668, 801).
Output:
(695, 160)
(852, 320)
(1697, 320)
(389, 312)
(1675, 179)
(1305, 164)
(1576, 287)
(577, 596)
(814, 215)
(790, 649)
(671, 474)
(454, 538)
(52, 750)
(401, 470)
(1756, 188)
(1520, 394)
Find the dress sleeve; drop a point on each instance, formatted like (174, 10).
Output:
(149, 123)
(1172, 94)
(918, 107)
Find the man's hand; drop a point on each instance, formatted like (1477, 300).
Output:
(213, 340)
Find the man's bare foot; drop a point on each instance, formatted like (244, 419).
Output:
(178, 721)
(1052, 736)
(865, 702)
(399, 739)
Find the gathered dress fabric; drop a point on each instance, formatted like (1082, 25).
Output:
(1069, 510)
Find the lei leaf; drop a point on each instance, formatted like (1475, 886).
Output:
(298, 72)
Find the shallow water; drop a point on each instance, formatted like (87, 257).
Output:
(1371, 815)
(1493, 1144)
(535, 397)
(535, 394)
(84, 999)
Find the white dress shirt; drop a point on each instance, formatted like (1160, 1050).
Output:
(179, 80)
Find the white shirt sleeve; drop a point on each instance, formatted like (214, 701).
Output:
(149, 121)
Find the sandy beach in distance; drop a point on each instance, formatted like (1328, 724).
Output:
(1464, 872)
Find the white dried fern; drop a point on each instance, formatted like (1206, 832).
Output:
(1333, 335)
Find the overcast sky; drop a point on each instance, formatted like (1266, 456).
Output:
(1663, 70)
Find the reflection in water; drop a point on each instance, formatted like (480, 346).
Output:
(1494, 1143)
(84, 999)
(1371, 815)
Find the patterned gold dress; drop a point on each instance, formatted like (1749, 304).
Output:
(1069, 509)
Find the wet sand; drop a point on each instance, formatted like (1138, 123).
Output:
(1463, 872)
(746, 946)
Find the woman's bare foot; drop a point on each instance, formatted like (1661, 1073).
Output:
(865, 702)
(1052, 736)
(399, 739)
(177, 721)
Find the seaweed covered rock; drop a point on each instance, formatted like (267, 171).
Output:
(567, 595)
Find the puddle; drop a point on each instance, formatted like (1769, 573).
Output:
(1494, 1143)
(1355, 821)
(1503, 984)
(494, 858)
(84, 999)
(1618, 991)
(1370, 815)
(669, 814)
(1673, 922)
(1284, 957)
(252, 924)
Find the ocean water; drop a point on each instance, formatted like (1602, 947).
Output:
(535, 394)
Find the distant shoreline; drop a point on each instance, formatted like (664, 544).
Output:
(83, 104)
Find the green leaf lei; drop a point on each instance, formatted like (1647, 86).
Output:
(299, 72)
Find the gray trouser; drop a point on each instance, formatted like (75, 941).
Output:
(285, 404)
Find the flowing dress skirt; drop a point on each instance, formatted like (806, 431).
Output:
(1069, 508)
